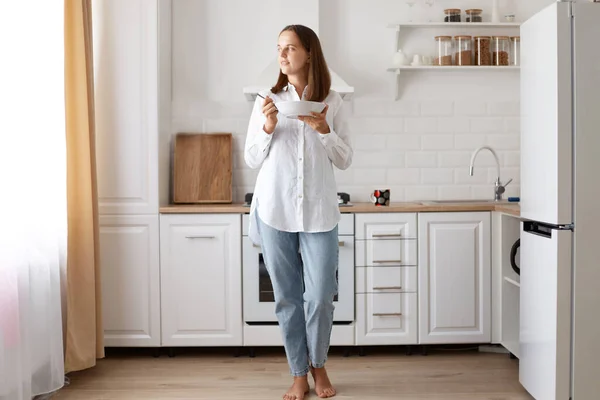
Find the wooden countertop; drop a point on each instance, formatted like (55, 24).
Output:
(425, 206)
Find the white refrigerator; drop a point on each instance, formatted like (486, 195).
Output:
(560, 203)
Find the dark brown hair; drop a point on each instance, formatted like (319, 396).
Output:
(319, 79)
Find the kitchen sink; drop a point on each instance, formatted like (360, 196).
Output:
(463, 201)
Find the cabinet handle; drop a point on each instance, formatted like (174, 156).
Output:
(341, 243)
(387, 288)
(387, 235)
(388, 261)
(387, 314)
(200, 237)
(255, 245)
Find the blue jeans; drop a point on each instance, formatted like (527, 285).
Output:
(305, 329)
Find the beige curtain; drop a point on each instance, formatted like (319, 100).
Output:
(84, 335)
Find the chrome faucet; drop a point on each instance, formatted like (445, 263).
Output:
(499, 188)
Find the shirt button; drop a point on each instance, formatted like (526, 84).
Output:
(299, 196)
(300, 159)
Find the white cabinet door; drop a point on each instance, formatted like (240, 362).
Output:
(130, 276)
(125, 41)
(201, 280)
(454, 277)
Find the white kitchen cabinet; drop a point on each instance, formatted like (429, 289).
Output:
(386, 279)
(454, 277)
(129, 267)
(125, 42)
(201, 279)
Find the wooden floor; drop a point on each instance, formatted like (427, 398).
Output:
(443, 374)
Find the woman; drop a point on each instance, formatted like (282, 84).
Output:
(295, 207)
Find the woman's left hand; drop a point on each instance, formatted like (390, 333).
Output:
(317, 121)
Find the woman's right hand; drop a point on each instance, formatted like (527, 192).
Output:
(270, 111)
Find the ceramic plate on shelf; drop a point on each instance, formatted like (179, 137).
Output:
(294, 109)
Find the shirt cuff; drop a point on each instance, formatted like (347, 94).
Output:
(264, 139)
(329, 139)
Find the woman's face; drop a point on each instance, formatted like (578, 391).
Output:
(293, 57)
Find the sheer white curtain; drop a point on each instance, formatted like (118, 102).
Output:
(32, 197)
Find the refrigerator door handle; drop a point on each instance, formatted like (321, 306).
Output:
(544, 230)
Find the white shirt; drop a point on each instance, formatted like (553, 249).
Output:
(295, 189)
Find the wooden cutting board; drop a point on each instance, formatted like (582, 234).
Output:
(202, 168)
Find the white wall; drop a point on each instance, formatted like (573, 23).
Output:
(419, 146)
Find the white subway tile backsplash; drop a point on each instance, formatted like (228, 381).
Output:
(369, 108)
(403, 176)
(437, 142)
(454, 159)
(434, 176)
(504, 108)
(369, 142)
(415, 193)
(419, 149)
(453, 125)
(469, 141)
(403, 142)
(375, 159)
(506, 141)
(470, 108)
(487, 125)
(437, 108)
(421, 159)
(363, 176)
(420, 125)
(513, 125)
(402, 108)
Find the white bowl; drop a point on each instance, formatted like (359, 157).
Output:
(293, 109)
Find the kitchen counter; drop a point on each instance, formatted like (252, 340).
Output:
(417, 206)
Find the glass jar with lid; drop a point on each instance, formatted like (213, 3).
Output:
(482, 53)
(462, 50)
(452, 15)
(515, 50)
(443, 50)
(500, 50)
(474, 15)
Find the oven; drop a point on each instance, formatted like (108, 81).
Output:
(258, 299)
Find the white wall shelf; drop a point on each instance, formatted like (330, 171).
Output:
(463, 27)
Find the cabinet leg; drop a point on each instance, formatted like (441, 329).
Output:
(361, 351)
(171, 352)
(251, 352)
(347, 352)
(424, 350)
(236, 352)
(156, 352)
(409, 350)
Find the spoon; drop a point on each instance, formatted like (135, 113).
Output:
(263, 97)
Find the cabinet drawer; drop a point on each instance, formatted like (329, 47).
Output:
(386, 279)
(380, 253)
(386, 226)
(386, 318)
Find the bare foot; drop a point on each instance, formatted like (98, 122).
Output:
(298, 389)
(323, 386)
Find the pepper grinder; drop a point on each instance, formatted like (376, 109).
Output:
(495, 12)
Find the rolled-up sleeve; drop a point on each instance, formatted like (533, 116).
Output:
(258, 141)
(337, 142)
